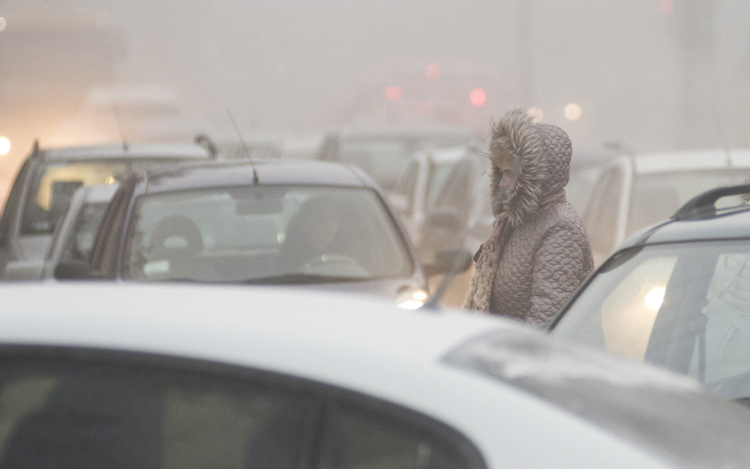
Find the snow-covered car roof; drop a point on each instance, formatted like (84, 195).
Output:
(488, 378)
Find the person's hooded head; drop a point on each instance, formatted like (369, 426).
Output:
(530, 163)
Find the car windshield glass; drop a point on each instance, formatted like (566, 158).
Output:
(657, 197)
(386, 158)
(438, 176)
(82, 237)
(54, 182)
(685, 307)
(272, 234)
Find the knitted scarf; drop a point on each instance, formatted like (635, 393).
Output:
(478, 296)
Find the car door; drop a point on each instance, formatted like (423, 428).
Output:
(95, 408)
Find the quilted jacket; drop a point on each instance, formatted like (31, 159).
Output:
(548, 255)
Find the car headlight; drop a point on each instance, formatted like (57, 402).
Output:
(413, 300)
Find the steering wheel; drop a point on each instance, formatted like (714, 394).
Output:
(337, 265)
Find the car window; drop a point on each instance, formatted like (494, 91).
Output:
(685, 307)
(439, 173)
(54, 183)
(603, 213)
(356, 439)
(407, 184)
(656, 197)
(287, 233)
(383, 159)
(457, 191)
(119, 416)
(81, 238)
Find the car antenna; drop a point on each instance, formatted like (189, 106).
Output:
(119, 128)
(244, 147)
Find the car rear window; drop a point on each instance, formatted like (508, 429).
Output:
(684, 306)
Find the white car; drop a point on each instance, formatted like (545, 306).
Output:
(216, 377)
(635, 191)
(420, 184)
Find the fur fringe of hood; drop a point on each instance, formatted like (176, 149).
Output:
(516, 134)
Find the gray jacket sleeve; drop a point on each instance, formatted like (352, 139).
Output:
(559, 268)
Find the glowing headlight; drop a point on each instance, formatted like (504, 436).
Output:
(413, 300)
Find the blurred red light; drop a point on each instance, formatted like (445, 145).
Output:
(393, 93)
(432, 72)
(478, 97)
(666, 7)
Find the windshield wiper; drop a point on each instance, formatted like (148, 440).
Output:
(302, 279)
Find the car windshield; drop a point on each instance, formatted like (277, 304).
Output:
(657, 197)
(685, 307)
(385, 158)
(82, 237)
(273, 234)
(438, 175)
(54, 183)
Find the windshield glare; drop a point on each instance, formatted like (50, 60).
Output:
(682, 307)
(273, 232)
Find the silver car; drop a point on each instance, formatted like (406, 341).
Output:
(48, 179)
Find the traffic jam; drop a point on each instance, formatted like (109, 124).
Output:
(374, 235)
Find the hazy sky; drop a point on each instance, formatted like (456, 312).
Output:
(655, 74)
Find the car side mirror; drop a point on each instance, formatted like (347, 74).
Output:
(75, 270)
(400, 203)
(451, 261)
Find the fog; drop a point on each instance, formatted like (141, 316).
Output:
(645, 74)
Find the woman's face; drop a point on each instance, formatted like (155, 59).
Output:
(505, 165)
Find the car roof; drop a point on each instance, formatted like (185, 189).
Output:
(241, 173)
(359, 344)
(652, 163)
(134, 150)
(449, 155)
(732, 225)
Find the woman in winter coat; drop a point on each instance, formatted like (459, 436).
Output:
(538, 253)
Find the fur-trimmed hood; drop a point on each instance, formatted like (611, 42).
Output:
(541, 158)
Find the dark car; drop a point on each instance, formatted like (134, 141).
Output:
(384, 153)
(676, 295)
(277, 222)
(48, 178)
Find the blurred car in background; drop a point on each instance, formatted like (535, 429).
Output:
(48, 178)
(418, 187)
(277, 222)
(460, 218)
(73, 237)
(585, 168)
(636, 191)
(384, 153)
(241, 378)
(272, 145)
(676, 295)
